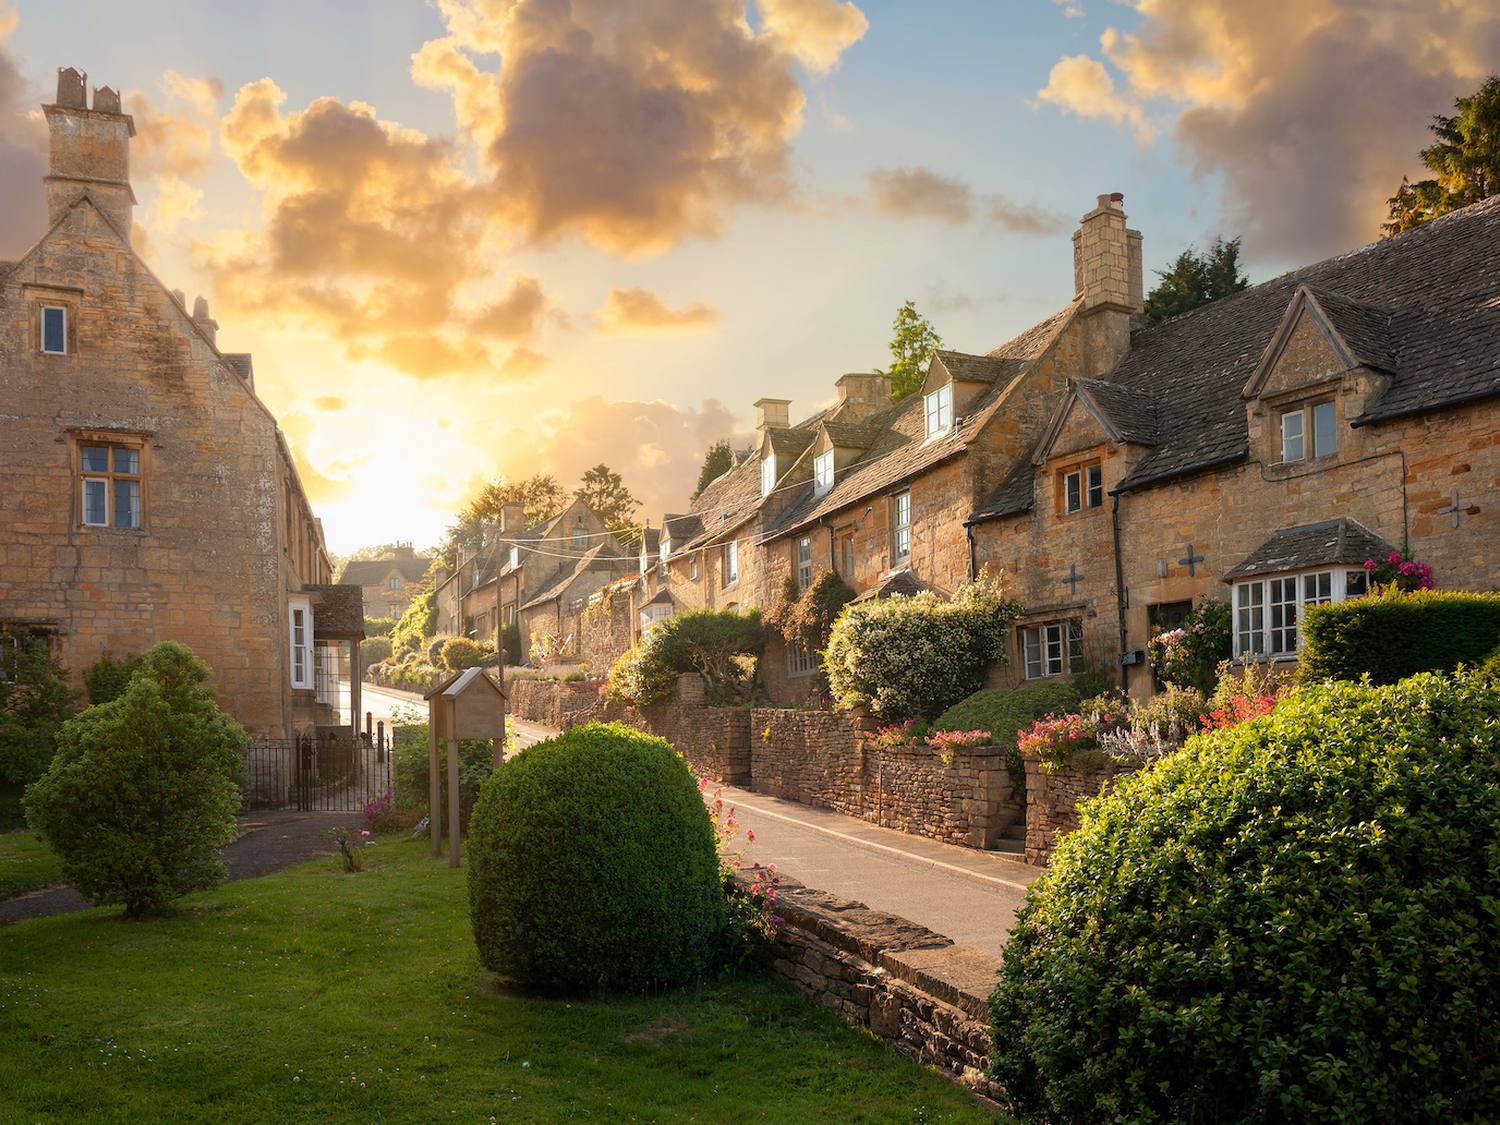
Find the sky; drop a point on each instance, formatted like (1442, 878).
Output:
(477, 239)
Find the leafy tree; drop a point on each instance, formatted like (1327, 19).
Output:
(540, 495)
(1196, 279)
(35, 699)
(604, 491)
(1465, 162)
(716, 462)
(912, 346)
(418, 622)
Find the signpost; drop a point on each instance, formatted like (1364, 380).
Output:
(468, 704)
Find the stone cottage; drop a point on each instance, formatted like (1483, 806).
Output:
(146, 492)
(387, 584)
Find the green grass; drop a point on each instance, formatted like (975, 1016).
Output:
(26, 863)
(311, 995)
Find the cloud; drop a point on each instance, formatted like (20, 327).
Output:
(1309, 113)
(523, 363)
(513, 316)
(330, 402)
(23, 204)
(818, 32)
(640, 310)
(909, 193)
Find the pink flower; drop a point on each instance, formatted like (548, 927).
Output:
(1425, 584)
(750, 835)
(1393, 557)
(364, 831)
(1369, 564)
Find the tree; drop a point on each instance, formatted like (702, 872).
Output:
(911, 349)
(1196, 279)
(1465, 162)
(604, 491)
(34, 701)
(540, 495)
(716, 462)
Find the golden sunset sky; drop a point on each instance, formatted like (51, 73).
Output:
(478, 238)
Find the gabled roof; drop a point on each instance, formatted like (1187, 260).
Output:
(1012, 496)
(651, 540)
(602, 557)
(1341, 542)
(1360, 334)
(338, 611)
(1128, 414)
(368, 572)
(681, 529)
(966, 368)
(788, 444)
(851, 435)
(901, 582)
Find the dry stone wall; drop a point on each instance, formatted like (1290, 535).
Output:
(1053, 796)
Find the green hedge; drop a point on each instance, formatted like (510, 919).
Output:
(1292, 920)
(1003, 713)
(409, 773)
(1398, 635)
(592, 865)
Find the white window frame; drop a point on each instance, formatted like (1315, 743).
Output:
(1083, 488)
(804, 562)
(394, 584)
(299, 626)
(938, 410)
(1299, 416)
(1262, 623)
(731, 561)
(1052, 648)
(800, 662)
(110, 478)
(822, 473)
(901, 526)
(515, 557)
(654, 615)
(768, 474)
(693, 568)
(42, 328)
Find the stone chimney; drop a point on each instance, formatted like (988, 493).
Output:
(861, 396)
(90, 151)
(208, 324)
(1107, 277)
(512, 517)
(405, 551)
(771, 414)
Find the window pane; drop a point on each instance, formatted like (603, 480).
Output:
(1031, 644)
(1096, 486)
(1073, 489)
(54, 330)
(96, 458)
(127, 503)
(95, 502)
(1291, 436)
(1283, 614)
(1317, 588)
(1054, 637)
(127, 460)
(1325, 431)
(1355, 584)
(767, 475)
(1249, 601)
(1075, 646)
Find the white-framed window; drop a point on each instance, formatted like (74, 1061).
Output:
(1293, 439)
(654, 615)
(299, 628)
(1268, 609)
(693, 568)
(1052, 649)
(800, 662)
(54, 329)
(731, 562)
(109, 484)
(395, 583)
(1083, 487)
(804, 562)
(767, 474)
(510, 614)
(1310, 431)
(901, 526)
(939, 404)
(846, 556)
(515, 557)
(822, 473)
(580, 531)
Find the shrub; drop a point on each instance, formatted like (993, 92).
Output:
(379, 626)
(913, 657)
(432, 649)
(409, 773)
(510, 637)
(1189, 656)
(805, 619)
(143, 791)
(35, 700)
(372, 650)
(460, 653)
(107, 677)
(419, 621)
(592, 865)
(1005, 713)
(711, 643)
(1291, 920)
(1397, 635)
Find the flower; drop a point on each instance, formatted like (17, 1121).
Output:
(364, 832)
(1369, 564)
(1393, 557)
(750, 835)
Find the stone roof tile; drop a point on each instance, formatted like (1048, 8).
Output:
(1342, 542)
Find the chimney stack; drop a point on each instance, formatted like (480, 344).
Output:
(771, 414)
(862, 395)
(90, 151)
(405, 551)
(208, 324)
(1107, 277)
(512, 517)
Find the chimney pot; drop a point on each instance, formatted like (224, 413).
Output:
(90, 152)
(512, 517)
(208, 324)
(106, 100)
(200, 309)
(861, 395)
(71, 86)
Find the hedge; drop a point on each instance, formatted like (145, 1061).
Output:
(1398, 635)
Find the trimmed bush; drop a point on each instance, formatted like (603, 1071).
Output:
(1398, 635)
(712, 643)
(379, 626)
(592, 865)
(914, 657)
(409, 772)
(460, 653)
(510, 637)
(1291, 920)
(107, 677)
(373, 650)
(144, 789)
(1005, 713)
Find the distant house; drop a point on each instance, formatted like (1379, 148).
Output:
(387, 583)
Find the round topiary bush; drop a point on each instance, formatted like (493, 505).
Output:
(460, 653)
(1295, 919)
(592, 865)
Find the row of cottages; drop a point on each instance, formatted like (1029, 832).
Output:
(546, 575)
(1256, 450)
(387, 585)
(146, 492)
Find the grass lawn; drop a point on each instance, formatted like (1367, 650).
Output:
(26, 863)
(311, 995)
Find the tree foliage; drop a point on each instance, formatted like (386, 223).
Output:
(604, 491)
(1195, 279)
(35, 699)
(716, 462)
(912, 344)
(712, 643)
(1464, 162)
(540, 495)
(418, 622)
(805, 618)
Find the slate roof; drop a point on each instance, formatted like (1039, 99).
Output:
(851, 435)
(1340, 542)
(1131, 412)
(902, 582)
(651, 541)
(1439, 283)
(1014, 495)
(602, 557)
(789, 444)
(338, 611)
(682, 528)
(974, 368)
(242, 363)
(370, 572)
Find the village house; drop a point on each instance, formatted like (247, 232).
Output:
(388, 585)
(147, 493)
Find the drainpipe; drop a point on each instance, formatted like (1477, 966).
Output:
(1114, 516)
(973, 557)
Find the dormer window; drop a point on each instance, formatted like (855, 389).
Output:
(939, 410)
(515, 557)
(1312, 427)
(767, 474)
(580, 531)
(823, 472)
(54, 330)
(1082, 487)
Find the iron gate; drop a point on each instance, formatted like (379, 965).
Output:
(328, 772)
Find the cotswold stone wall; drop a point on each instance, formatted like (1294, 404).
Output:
(808, 756)
(1053, 795)
(916, 989)
(605, 632)
(552, 703)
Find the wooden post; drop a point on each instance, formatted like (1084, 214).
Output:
(434, 793)
(356, 685)
(453, 802)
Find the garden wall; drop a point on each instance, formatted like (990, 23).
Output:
(1053, 795)
(552, 703)
(917, 990)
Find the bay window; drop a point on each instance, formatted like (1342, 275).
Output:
(1268, 609)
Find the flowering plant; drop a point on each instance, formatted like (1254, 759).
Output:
(1401, 571)
(1056, 737)
(898, 734)
(381, 814)
(351, 847)
(752, 908)
(951, 740)
(1239, 709)
(1187, 656)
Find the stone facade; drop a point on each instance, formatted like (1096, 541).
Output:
(389, 584)
(1054, 794)
(148, 493)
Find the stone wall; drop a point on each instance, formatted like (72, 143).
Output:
(552, 703)
(808, 756)
(1053, 795)
(915, 989)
